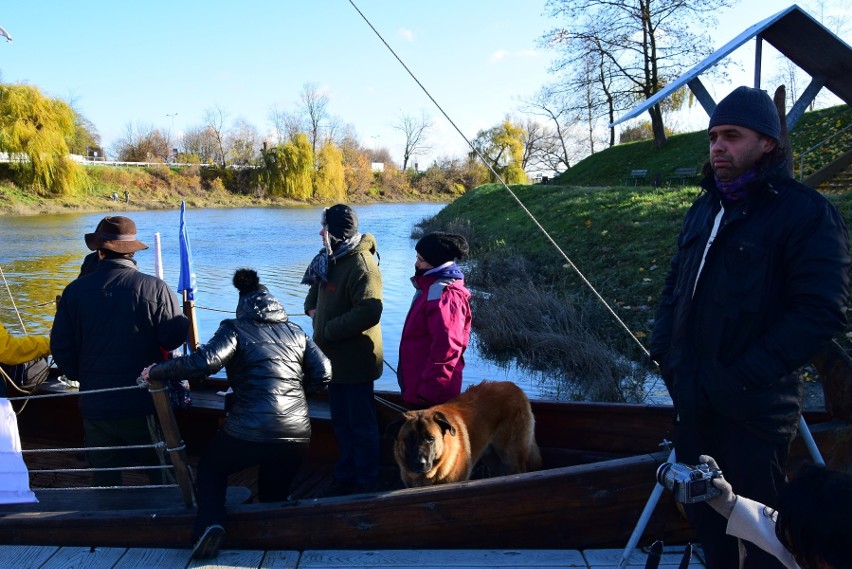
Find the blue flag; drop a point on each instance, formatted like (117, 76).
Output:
(186, 281)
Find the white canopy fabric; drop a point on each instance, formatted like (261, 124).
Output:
(14, 476)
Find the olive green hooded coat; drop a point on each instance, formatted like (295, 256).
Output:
(348, 309)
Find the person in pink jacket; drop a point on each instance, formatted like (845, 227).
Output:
(437, 327)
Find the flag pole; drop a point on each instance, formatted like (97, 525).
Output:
(186, 282)
(192, 338)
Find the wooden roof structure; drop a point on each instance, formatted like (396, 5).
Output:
(797, 36)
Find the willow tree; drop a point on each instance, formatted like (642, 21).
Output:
(329, 181)
(34, 131)
(502, 148)
(288, 169)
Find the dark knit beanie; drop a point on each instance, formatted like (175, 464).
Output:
(438, 247)
(751, 108)
(246, 281)
(340, 221)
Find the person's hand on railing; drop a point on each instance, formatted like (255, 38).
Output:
(143, 377)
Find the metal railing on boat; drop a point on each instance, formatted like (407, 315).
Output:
(172, 444)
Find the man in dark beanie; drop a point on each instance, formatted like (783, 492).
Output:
(437, 328)
(345, 305)
(759, 283)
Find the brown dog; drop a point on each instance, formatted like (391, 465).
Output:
(443, 443)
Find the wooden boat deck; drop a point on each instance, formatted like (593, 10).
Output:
(48, 557)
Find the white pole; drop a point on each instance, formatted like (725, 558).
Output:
(158, 257)
(810, 442)
(643, 519)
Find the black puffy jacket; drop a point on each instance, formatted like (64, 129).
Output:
(772, 291)
(270, 363)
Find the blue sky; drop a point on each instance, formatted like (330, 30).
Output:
(123, 62)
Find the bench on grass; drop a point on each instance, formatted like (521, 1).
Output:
(636, 177)
(683, 175)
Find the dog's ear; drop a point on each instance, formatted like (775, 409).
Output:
(442, 421)
(392, 430)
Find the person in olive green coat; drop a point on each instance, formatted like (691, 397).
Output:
(345, 304)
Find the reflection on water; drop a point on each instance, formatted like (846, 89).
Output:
(41, 254)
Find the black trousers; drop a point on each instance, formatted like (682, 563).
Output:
(756, 469)
(279, 463)
(124, 431)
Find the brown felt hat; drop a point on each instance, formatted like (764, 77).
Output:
(117, 234)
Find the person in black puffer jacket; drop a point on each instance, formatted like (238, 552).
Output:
(271, 363)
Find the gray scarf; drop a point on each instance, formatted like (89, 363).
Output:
(317, 271)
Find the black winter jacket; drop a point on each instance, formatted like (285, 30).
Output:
(270, 363)
(772, 291)
(109, 325)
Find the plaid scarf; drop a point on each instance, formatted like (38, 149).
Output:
(317, 271)
(735, 190)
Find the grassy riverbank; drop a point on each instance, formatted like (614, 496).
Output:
(162, 187)
(616, 241)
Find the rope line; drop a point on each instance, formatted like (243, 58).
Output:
(505, 186)
(12, 300)
(23, 308)
(157, 445)
(74, 394)
(137, 487)
(104, 469)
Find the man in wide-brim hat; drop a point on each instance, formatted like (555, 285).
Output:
(110, 323)
(117, 233)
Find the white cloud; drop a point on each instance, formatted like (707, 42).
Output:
(406, 34)
(498, 56)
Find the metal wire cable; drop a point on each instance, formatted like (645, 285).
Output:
(505, 186)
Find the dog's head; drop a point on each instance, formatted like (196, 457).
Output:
(420, 439)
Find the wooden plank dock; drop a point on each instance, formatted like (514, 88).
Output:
(49, 557)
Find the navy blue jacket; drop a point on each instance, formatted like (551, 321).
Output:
(772, 291)
(110, 324)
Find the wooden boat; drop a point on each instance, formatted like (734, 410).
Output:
(600, 464)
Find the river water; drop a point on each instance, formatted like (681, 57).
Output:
(40, 254)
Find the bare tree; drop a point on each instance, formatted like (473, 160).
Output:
(215, 119)
(285, 124)
(645, 44)
(243, 141)
(415, 131)
(142, 143)
(200, 142)
(315, 110)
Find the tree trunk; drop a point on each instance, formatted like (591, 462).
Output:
(657, 126)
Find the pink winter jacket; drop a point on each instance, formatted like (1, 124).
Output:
(434, 339)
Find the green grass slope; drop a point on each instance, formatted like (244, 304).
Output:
(620, 239)
(609, 167)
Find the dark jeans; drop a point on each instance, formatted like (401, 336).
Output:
(125, 431)
(279, 463)
(754, 467)
(353, 415)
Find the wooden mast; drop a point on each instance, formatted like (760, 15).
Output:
(192, 339)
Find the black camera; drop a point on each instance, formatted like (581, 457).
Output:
(689, 484)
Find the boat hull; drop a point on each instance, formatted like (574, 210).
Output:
(601, 462)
